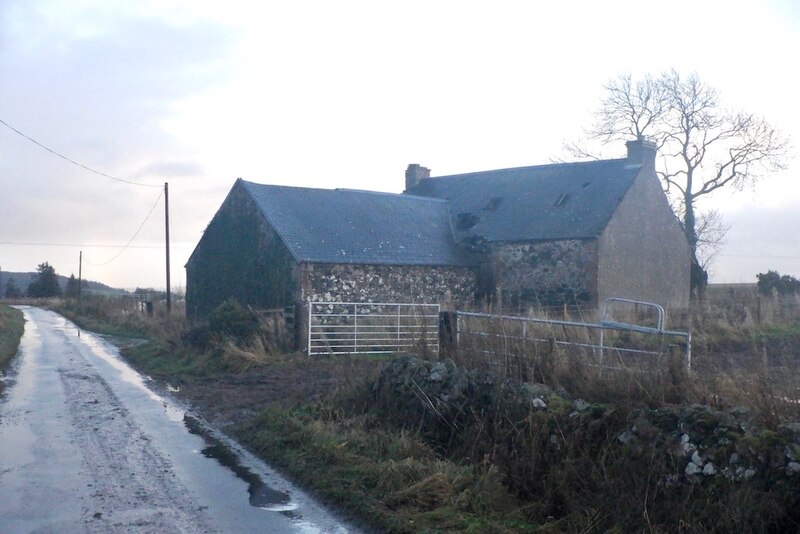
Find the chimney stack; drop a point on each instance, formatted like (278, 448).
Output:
(642, 151)
(416, 173)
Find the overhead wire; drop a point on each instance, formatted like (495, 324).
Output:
(70, 160)
(99, 173)
(84, 245)
(764, 256)
(117, 255)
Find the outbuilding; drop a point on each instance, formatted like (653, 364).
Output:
(567, 233)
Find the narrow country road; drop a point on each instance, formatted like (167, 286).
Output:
(87, 446)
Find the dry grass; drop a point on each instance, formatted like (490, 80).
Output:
(177, 346)
(11, 330)
(389, 479)
(124, 317)
(732, 364)
(241, 359)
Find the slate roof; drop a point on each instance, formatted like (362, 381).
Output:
(544, 202)
(361, 227)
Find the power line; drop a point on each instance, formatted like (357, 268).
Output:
(84, 245)
(78, 164)
(764, 256)
(132, 238)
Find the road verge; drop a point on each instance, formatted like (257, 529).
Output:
(12, 326)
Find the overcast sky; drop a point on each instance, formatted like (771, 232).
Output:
(344, 94)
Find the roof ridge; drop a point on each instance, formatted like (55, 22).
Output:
(540, 166)
(344, 190)
(277, 186)
(388, 194)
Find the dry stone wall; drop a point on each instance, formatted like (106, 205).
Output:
(688, 462)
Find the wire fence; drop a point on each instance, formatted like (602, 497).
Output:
(512, 344)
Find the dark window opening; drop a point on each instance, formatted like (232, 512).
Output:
(465, 221)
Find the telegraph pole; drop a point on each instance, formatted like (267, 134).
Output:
(80, 277)
(166, 227)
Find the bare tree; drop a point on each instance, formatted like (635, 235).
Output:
(702, 146)
(711, 229)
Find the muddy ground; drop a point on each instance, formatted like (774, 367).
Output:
(237, 397)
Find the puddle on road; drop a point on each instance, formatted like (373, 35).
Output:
(261, 495)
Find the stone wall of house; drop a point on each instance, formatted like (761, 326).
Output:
(643, 252)
(239, 256)
(447, 286)
(545, 273)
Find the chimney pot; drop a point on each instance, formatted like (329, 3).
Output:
(415, 173)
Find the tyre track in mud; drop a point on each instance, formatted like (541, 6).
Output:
(134, 486)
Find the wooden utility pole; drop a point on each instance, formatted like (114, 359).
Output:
(166, 227)
(80, 276)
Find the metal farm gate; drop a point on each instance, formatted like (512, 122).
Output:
(373, 328)
(500, 340)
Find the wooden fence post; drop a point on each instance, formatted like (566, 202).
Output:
(448, 344)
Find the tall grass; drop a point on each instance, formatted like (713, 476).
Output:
(124, 317)
(732, 364)
(234, 339)
(12, 325)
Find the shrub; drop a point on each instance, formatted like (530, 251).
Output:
(233, 321)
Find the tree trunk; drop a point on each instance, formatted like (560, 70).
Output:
(698, 276)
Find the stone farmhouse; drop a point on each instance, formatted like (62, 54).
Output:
(572, 233)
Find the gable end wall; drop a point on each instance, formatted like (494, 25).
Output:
(239, 256)
(642, 252)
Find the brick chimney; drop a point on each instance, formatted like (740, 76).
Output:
(642, 151)
(415, 173)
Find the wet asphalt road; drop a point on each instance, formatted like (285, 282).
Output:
(87, 446)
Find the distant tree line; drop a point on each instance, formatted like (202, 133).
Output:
(12, 290)
(43, 285)
(781, 284)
